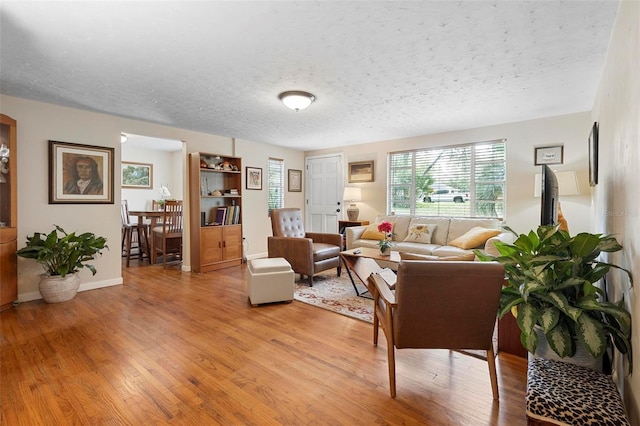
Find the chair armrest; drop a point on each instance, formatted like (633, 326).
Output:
(353, 233)
(326, 238)
(297, 251)
(505, 237)
(383, 290)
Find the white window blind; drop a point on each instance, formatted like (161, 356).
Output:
(459, 181)
(276, 184)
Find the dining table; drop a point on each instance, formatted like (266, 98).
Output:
(153, 216)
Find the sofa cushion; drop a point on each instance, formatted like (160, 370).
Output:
(372, 233)
(459, 226)
(410, 247)
(475, 237)
(444, 251)
(366, 243)
(400, 225)
(420, 233)
(439, 234)
(415, 256)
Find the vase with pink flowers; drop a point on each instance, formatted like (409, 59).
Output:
(385, 243)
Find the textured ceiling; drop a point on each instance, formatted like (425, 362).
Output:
(379, 70)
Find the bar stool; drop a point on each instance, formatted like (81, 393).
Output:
(134, 235)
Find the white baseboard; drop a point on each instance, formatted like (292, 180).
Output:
(35, 295)
(257, 256)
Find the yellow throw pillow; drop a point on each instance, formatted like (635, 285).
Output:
(414, 256)
(372, 233)
(420, 233)
(475, 237)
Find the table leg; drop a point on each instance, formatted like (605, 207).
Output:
(353, 265)
(143, 239)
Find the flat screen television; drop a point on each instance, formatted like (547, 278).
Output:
(549, 196)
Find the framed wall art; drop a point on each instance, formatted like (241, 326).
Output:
(137, 175)
(80, 174)
(549, 155)
(593, 155)
(295, 180)
(254, 178)
(361, 171)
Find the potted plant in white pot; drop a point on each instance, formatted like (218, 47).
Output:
(62, 255)
(551, 278)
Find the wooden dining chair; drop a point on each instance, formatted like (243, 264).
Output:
(167, 237)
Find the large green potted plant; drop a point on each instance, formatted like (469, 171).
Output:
(551, 277)
(62, 255)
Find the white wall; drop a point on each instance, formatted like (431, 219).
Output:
(615, 207)
(39, 122)
(256, 222)
(167, 169)
(522, 208)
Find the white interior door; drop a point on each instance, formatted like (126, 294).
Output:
(324, 187)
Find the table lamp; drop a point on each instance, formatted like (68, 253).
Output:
(352, 194)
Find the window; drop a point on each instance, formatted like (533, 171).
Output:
(459, 181)
(276, 184)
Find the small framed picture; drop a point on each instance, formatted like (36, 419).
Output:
(80, 174)
(137, 175)
(593, 155)
(549, 155)
(361, 171)
(295, 180)
(254, 178)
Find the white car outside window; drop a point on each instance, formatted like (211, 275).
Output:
(448, 195)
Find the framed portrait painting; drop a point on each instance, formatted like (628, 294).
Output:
(254, 178)
(295, 180)
(361, 171)
(80, 174)
(137, 175)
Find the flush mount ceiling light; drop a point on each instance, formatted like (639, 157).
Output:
(296, 99)
(123, 138)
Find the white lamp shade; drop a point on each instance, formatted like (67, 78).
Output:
(567, 183)
(352, 193)
(297, 100)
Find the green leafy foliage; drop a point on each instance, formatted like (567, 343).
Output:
(61, 253)
(550, 281)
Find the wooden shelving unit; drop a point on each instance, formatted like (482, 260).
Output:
(215, 193)
(8, 215)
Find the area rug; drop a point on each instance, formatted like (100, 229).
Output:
(335, 294)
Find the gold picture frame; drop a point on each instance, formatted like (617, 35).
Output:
(549, 155)
(295, 180)
(137, 175)
(361, 171)
(80, 174)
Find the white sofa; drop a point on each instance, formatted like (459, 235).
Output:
(446, 230)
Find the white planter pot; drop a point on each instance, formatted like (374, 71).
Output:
(582, 357)
(55, 289)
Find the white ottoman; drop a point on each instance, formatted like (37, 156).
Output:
(270, 280)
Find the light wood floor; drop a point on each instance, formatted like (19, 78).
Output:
(169, 347)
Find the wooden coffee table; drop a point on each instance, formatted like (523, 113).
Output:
(361, 262)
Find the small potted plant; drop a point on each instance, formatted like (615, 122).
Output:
(62, 255)
(385, 243)
(551, 278)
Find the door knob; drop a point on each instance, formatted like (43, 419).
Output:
(338, 210)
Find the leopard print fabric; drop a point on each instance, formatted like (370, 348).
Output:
(566, 394)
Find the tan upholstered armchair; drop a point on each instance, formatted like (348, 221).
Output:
(439, 305)
(308, 252)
